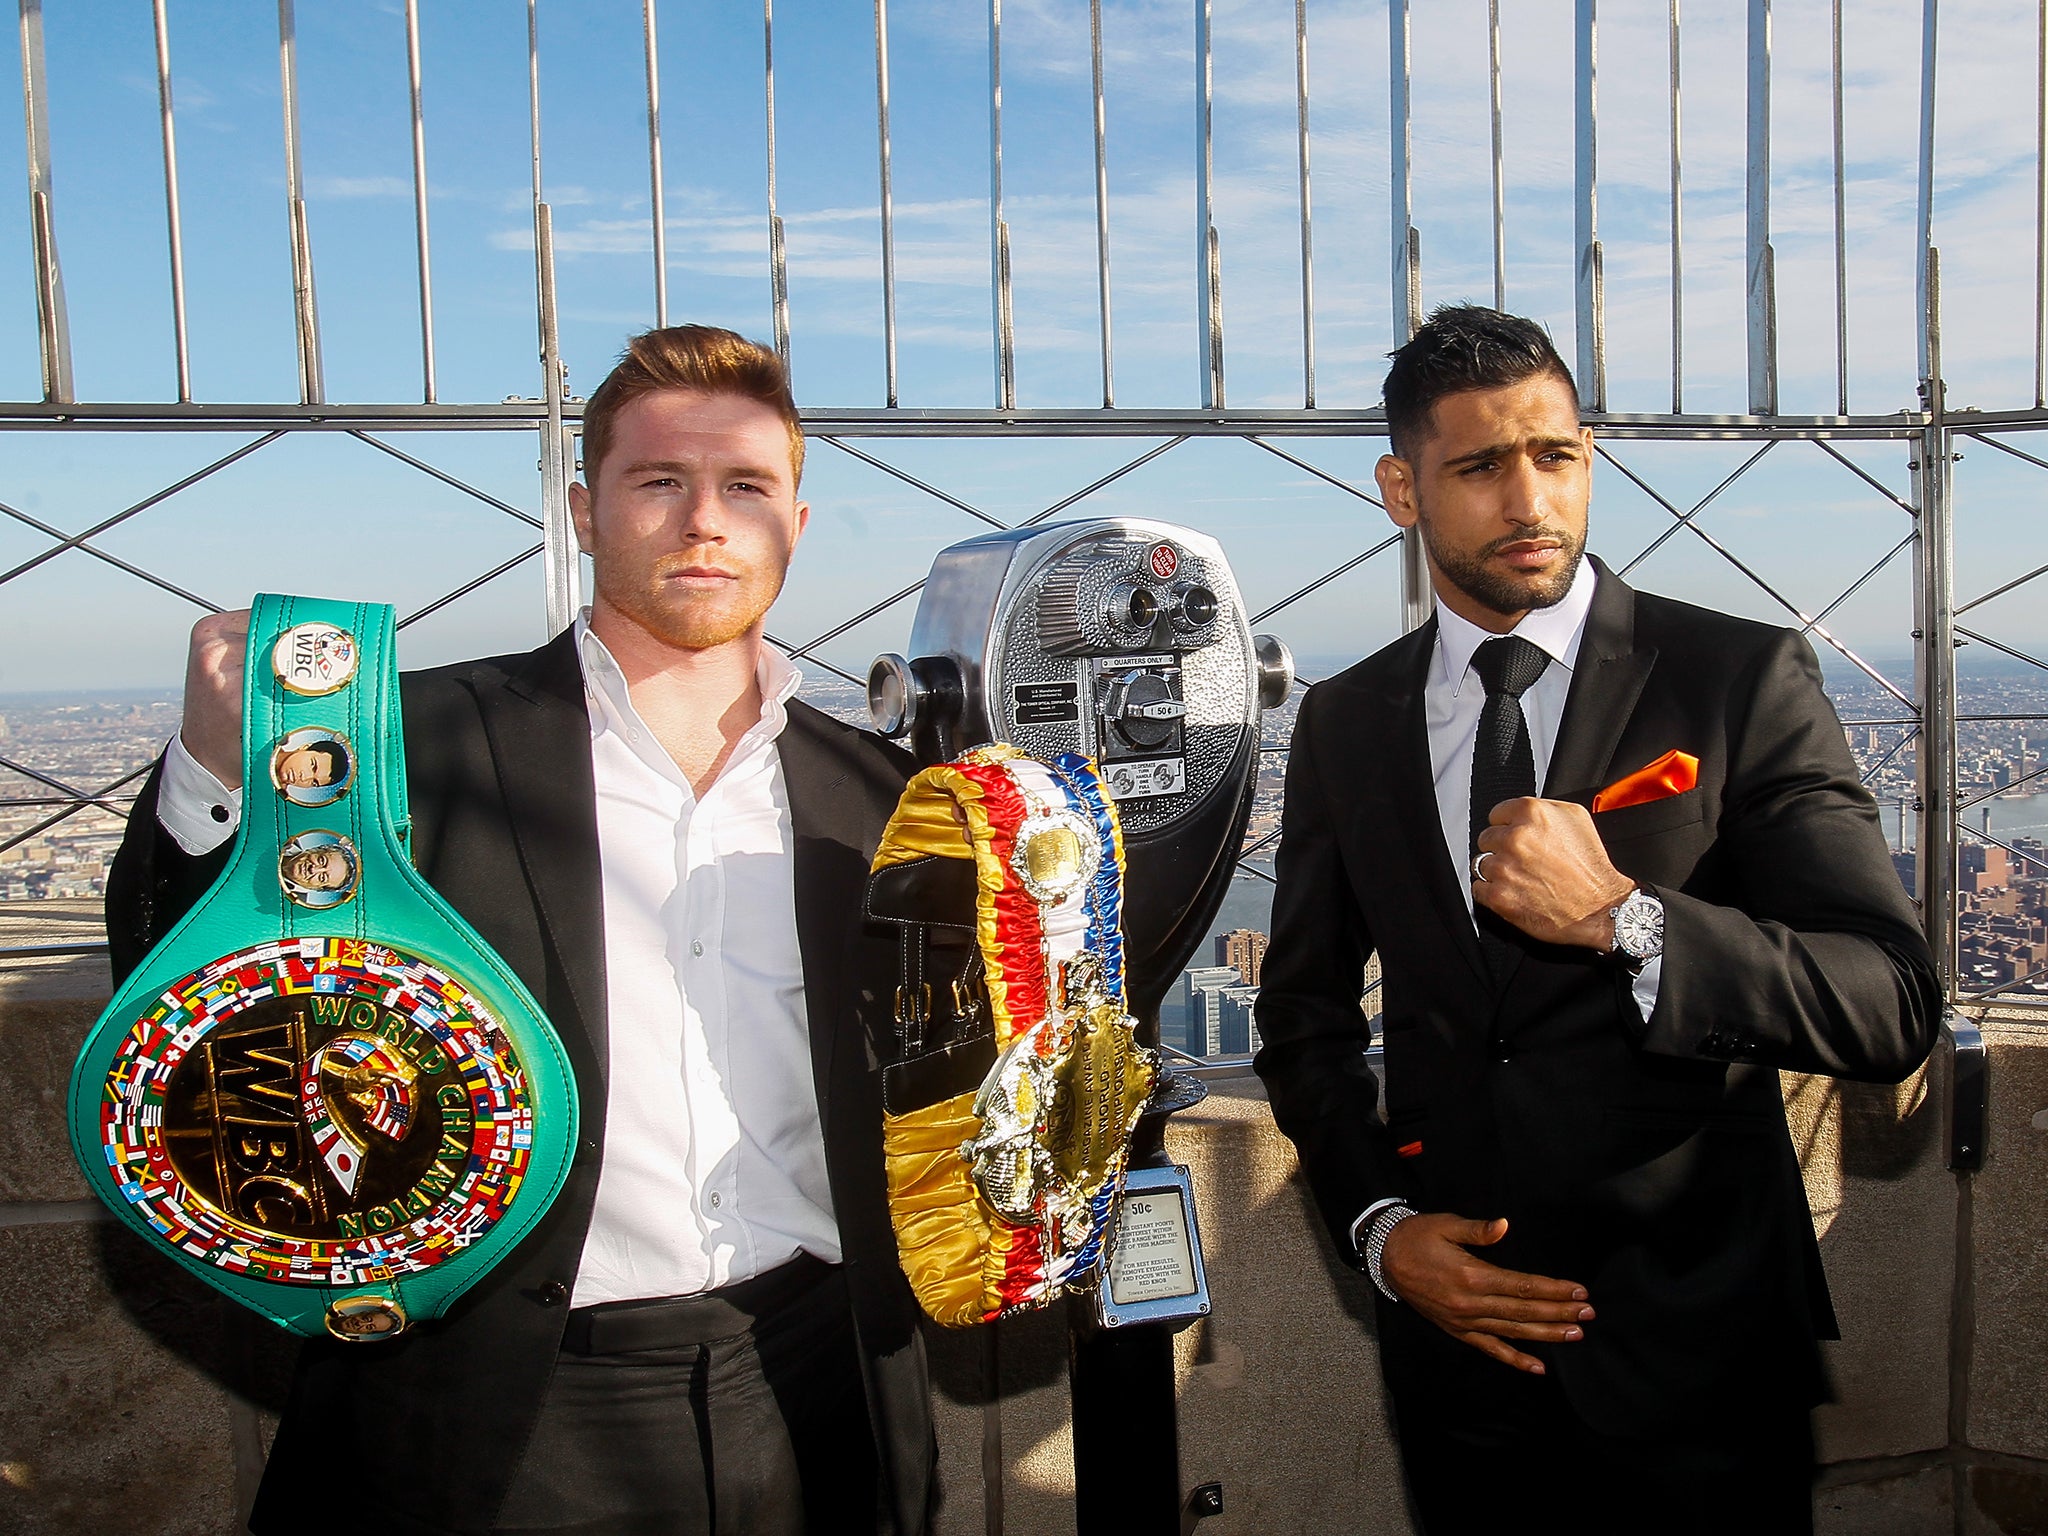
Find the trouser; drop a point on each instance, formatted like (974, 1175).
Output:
(737, 1411)
(1520, 1457)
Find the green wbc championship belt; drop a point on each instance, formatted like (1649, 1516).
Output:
(322, 1092)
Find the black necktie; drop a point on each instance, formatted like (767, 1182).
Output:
(1503, 767)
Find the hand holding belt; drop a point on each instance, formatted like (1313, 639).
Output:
(321, 1091)
(1001, 1192)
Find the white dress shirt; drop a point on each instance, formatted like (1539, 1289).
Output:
(714, 1154)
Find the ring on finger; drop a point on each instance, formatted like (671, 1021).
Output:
(1478, 862)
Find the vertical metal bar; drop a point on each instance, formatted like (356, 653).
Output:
(419, 200)
(1842, 231)
(1102, 199)
(174, 223)
(2040, 206)
(778, 252)
(656, 201)
(52, 325)
(888, 199)
(1677, 235)
(1308, 260)
(1761, 290)
(1935, 752)
(1500, 207)
(1592, 308)
(999, 232)
(1406, 280)
(533, 102)
(1407, 270)
(561, 569)
(1208, 252)
(305, 308)
(1925, 218)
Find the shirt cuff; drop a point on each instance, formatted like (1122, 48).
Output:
(1369, 1237)
(1644, 987)
(192, 805)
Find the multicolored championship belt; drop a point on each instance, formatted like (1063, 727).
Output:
(1010, 1115)
(322, 1092)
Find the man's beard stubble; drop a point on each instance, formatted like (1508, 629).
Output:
(1503, 593)
(700, 621)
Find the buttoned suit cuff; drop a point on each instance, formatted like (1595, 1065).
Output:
(192, 805)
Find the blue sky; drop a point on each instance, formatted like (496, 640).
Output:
(330, 515)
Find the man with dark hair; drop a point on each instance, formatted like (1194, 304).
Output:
(317, 765)
(709, 1330)
(1599, 1287)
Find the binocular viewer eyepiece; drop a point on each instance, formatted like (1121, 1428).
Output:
(1125, 639)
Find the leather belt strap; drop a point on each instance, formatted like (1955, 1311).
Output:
(321, 1091)
(678, 1322)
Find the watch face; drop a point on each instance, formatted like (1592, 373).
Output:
(1639, 927)
(318, 1111)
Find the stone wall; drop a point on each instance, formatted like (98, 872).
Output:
(134, 1401)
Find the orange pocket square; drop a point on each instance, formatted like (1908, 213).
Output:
(1672, 774)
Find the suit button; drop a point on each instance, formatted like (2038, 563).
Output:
(553, 1293)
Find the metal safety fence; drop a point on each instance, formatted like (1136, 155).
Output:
(1712, 499)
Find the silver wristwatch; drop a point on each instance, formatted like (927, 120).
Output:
(1638, 929)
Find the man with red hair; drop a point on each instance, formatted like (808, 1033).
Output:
(709, 1331)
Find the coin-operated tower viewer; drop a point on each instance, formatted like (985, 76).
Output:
(1125, 640)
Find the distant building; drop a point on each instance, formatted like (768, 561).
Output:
(1238, 1034)
(1202, 988)
(1244, 951)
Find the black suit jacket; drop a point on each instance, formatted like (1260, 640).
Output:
(424, 1434)
(1648, 1161)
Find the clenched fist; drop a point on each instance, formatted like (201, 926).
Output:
(1547, 872)
(212, 727)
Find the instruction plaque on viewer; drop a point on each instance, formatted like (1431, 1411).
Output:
(1155, 1264)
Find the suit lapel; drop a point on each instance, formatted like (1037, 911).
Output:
(1606, 683)
(831, 877)
(1410, 787)
(538, 726)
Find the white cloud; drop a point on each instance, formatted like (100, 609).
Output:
(348, 187)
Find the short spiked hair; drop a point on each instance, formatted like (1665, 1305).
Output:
(700, 357)
(1464, 346)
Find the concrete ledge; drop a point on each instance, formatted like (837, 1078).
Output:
(129, 1390)
(39, 1040)
(2007, 1319)
(1280, 1395)
(135, 1400)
